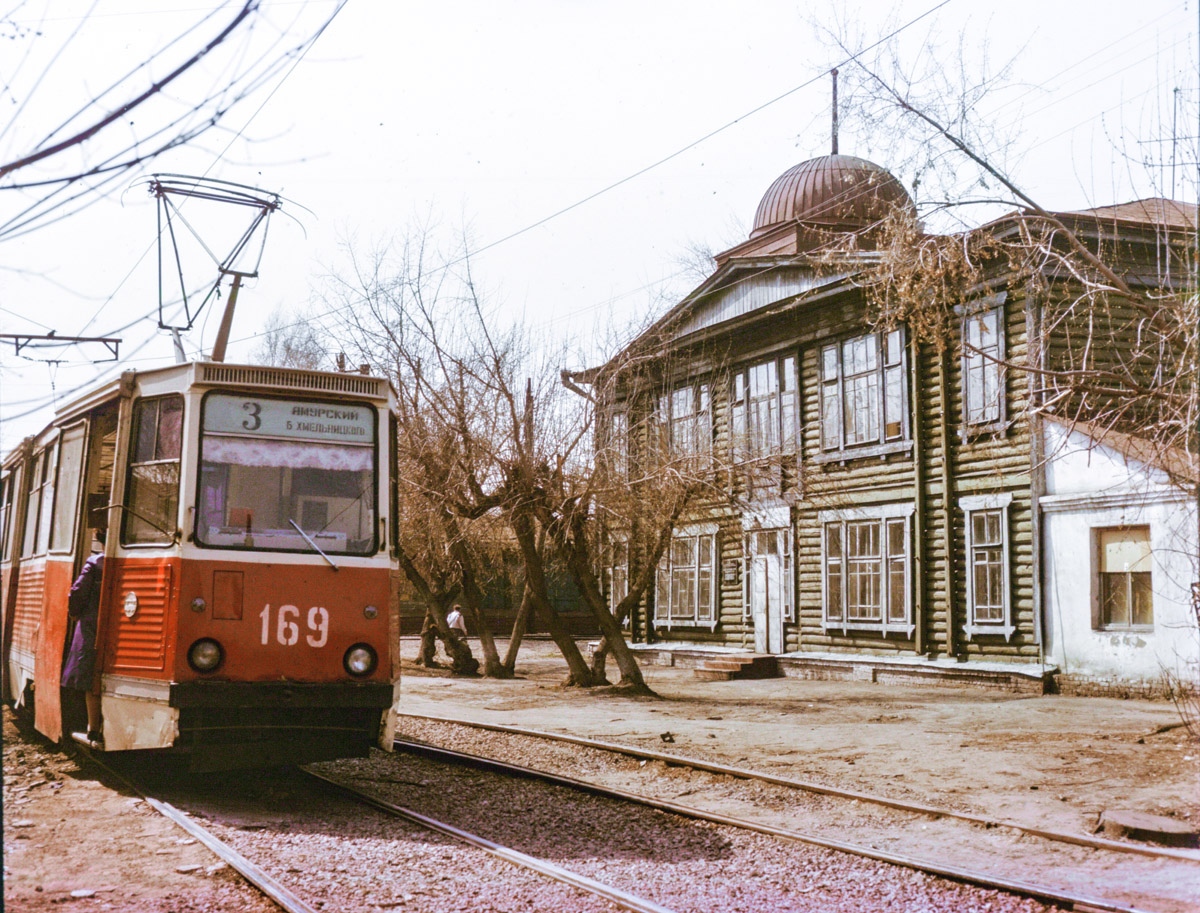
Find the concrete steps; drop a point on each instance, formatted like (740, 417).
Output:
(743, 666)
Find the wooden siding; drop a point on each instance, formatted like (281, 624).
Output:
(994, 461)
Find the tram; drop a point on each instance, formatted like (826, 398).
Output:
(245, 614)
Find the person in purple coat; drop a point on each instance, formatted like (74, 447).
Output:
(83, 608)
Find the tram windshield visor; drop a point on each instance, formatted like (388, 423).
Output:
(266, 464)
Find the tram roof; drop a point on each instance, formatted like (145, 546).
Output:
(218, 374)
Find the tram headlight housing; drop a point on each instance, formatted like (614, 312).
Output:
(360, 660)
(205, 655)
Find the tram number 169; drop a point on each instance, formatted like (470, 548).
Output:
(287, 627)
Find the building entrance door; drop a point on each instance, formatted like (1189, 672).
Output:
(769, 572)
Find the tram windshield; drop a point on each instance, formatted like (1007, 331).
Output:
(268, 466)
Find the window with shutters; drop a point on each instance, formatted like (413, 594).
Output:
(989, 603)
(685, 423)
(686, 584)
(866, 557)
(982, 369)
(864, 394)
(763, 409)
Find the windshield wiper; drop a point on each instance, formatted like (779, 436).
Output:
(316, 548)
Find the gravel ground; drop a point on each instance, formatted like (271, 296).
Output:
(1004, 852)
(338, 855)
(74, 840)
(681, 864)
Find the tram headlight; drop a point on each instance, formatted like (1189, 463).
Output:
(205, 655)
(360, 660)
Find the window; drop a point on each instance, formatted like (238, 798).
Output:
(686, 421)
(41, 500)
(686, 581)
(618, 575)
(983, 380)
(283, 475)
(988, 600)
(70, 471)
(9, 486)
(151, 514)
(866, 569)
(1126, 596)
(864, 395)
(763, 401)
(617, 449)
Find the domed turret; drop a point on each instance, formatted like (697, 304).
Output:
(838, 192)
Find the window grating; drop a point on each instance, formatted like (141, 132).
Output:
(287, 379)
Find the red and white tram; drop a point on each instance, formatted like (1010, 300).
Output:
(245, 617)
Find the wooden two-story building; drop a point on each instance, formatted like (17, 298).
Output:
(879, 503)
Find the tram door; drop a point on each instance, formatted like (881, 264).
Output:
(769, 579)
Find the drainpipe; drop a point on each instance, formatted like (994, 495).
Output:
(947, 498)
(920, 542)
(1037, 468)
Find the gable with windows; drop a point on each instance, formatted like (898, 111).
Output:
(864, 394)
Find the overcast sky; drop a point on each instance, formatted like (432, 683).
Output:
(496, 116)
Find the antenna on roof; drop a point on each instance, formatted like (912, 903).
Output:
(833, 72)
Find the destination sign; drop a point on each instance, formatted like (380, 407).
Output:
(226, 413)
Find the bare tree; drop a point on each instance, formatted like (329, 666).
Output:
(67, 156)
(292, 339)
(497, 453)
(1114, 337)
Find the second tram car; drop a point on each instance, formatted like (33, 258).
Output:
(245, 614)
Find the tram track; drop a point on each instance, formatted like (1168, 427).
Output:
(299, 834)
(1028, 860)
(419, 785)
(742, 773)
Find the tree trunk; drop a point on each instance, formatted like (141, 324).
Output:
(599, 661)
(473, 598)
(614, 637)
(535, 583)
(429, 636)
(518, 631)
(492, 667)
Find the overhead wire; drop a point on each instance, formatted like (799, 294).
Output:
(295, 62)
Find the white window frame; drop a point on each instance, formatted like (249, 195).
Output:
(993, 503)
(883, 389)
(618, 574)
(769, 385)
(687, 431)
(979, 363)
(890, 621)
(666, 580)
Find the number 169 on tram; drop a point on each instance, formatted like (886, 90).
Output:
(245, 517)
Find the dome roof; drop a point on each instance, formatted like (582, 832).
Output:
(838, 191)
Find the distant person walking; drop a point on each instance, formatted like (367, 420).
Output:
(83, 608)
(456, 622)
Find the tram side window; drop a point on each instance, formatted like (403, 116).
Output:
(70, 469)
(8, 487)
(41, 499)
(152, 499)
